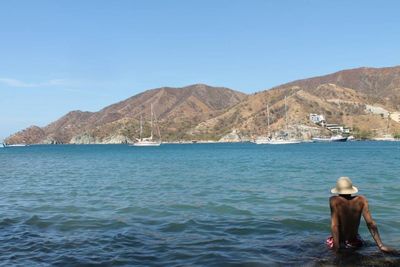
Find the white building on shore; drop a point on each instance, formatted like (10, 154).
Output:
(317, 119)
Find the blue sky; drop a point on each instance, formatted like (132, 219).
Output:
(58, 56)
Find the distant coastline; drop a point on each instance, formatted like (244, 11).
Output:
(362, 102)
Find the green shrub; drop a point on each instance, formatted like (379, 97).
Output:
(363, 135)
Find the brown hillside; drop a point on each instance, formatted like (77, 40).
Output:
(342, 97)
(177, 109)
(205, 112)
(381, 84)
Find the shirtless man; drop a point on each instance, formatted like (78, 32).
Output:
(346, 211)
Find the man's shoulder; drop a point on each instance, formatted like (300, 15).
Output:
(361, 198)
(334, 199)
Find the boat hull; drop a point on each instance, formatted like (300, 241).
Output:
(262, 141)
(342, 139)
(284, 142)
(316, 139)
(332, 139)
(277, 142)
(146, 144)
(15, 145)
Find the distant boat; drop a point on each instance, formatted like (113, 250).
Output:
(14, 145)
(149, 141)
(338, 138)
(283, 140)
(276, 141)
(321, 139)
(262, 140)
(335, 138)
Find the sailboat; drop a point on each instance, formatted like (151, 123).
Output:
(282, 140)
(262, 140)
(149, 141)
(4, 145)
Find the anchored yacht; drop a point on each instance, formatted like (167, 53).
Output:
(149, 141)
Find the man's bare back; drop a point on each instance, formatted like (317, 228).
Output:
(346, 211)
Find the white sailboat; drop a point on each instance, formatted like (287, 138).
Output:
(16, 145)
(283, 140)
(149, 141)
(263, 140)
(12, 145)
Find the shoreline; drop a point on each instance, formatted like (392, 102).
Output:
(201, 142)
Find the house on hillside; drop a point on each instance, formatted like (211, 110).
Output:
(317, 119)
(337, 128)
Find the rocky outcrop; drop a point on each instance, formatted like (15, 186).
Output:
(84, 139)
(116, 139)
(232, 137)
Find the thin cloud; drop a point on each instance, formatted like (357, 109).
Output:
(21, 84)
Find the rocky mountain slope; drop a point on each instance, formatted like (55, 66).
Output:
(382, 85)
(342, 97)
(177, 110)
(204, 112)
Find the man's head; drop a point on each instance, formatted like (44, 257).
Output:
(344, 186)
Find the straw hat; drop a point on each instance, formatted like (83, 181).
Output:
(344, 186)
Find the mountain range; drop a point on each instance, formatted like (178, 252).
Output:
(357, 98)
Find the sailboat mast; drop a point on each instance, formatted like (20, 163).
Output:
(141, 127)
(151, 121)
(269, 133)
(286, 120)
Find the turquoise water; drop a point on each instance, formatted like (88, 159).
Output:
(188, 205)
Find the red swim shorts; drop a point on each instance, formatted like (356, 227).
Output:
(356, 243)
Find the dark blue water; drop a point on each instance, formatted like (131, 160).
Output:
(188, 205)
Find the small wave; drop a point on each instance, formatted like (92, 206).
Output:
(8, 222)
(228, 210)
(38, 222)
(90, 224)
(180, 226)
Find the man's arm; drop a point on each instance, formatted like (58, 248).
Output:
(373, 228)
(334, 226)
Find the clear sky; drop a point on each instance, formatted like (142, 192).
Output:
(58, 56)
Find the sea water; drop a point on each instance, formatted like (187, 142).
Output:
(190, 205)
